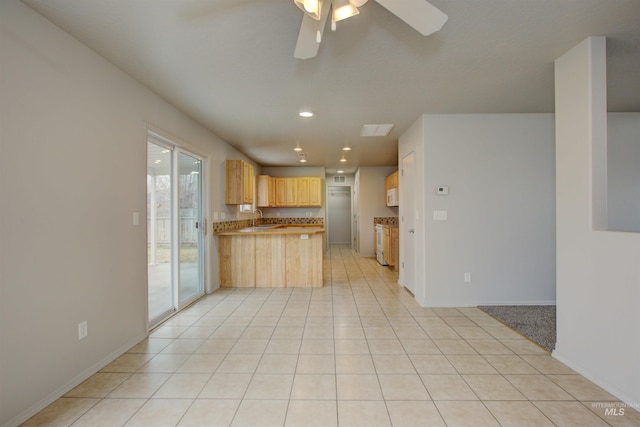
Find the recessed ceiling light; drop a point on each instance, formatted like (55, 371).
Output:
(346, 148)
(158, 161)
(340, 171)
(343, 159)
(306, 113)
(303, 160)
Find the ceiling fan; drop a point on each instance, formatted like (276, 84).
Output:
(419, 14)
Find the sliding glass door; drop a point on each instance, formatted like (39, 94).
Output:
(175, 251)
(190, 232)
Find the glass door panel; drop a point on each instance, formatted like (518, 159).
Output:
(159, 231)
(190, 227)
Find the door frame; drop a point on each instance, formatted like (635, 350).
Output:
(177, 148)
(407, 188)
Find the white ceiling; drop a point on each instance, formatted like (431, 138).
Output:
(229, 64)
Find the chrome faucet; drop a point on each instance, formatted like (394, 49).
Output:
(253, 217)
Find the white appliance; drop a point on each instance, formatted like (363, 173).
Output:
(380, 244)
(392, 197)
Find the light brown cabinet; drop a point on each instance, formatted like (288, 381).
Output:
(315, 191)
(391, 181)
(391, 189)
(265, 191)
(239, 183)
(391, 246)
(266, 260)
(289, 192)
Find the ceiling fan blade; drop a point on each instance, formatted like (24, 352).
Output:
(307, 45)
(419, 14)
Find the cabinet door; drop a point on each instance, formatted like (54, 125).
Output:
(303, 191)
(272, 192)
(264, 191)
(281, 192)
(394, 247)
(233, 185)
(387, 247)
(248, 184)
(291, 191)
(315, 191)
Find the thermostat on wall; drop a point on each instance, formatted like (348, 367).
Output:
(442, 191)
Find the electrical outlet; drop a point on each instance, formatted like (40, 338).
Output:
(83, 330)
(467, 277)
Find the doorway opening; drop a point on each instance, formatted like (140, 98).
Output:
(339, 214)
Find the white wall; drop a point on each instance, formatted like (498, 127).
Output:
(500, 172)
(72, 171)
(372, 203)
(623, 171)
(598, 272)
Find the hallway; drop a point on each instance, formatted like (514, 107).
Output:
(358, 352)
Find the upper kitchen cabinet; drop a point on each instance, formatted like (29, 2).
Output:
(310, 191)
(391, 189)
(239, 183)
(289, 192)
(266, 191)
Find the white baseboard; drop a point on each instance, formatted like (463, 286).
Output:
(71, 384)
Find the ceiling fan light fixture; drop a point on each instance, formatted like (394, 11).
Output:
(342, 9)
(343, 159)
(306, 114)
(310, 7)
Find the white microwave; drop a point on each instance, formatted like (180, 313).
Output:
(392, 197)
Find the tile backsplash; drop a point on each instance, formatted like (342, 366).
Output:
(387, 220)
(220, 226)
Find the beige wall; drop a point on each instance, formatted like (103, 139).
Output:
(72, 172)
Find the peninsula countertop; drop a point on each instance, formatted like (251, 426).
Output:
(266, 229)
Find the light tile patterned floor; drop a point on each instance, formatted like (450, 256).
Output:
(358, 352)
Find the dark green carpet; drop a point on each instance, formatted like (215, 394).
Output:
(536, 322)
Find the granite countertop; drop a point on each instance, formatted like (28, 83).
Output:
(274, 229)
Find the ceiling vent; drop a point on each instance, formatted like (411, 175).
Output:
(376, 130)
(339, 179)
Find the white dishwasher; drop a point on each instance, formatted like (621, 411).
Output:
(380, 244)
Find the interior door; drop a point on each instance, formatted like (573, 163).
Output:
(407, 224)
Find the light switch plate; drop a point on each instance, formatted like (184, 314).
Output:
(442, 190)
(439, 215)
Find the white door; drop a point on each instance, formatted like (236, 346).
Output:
(407, 224)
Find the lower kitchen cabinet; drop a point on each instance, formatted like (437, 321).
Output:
(303, 270)
(232, 272)
(270, 261)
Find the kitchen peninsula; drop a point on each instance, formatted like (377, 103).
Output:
(282, 255)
